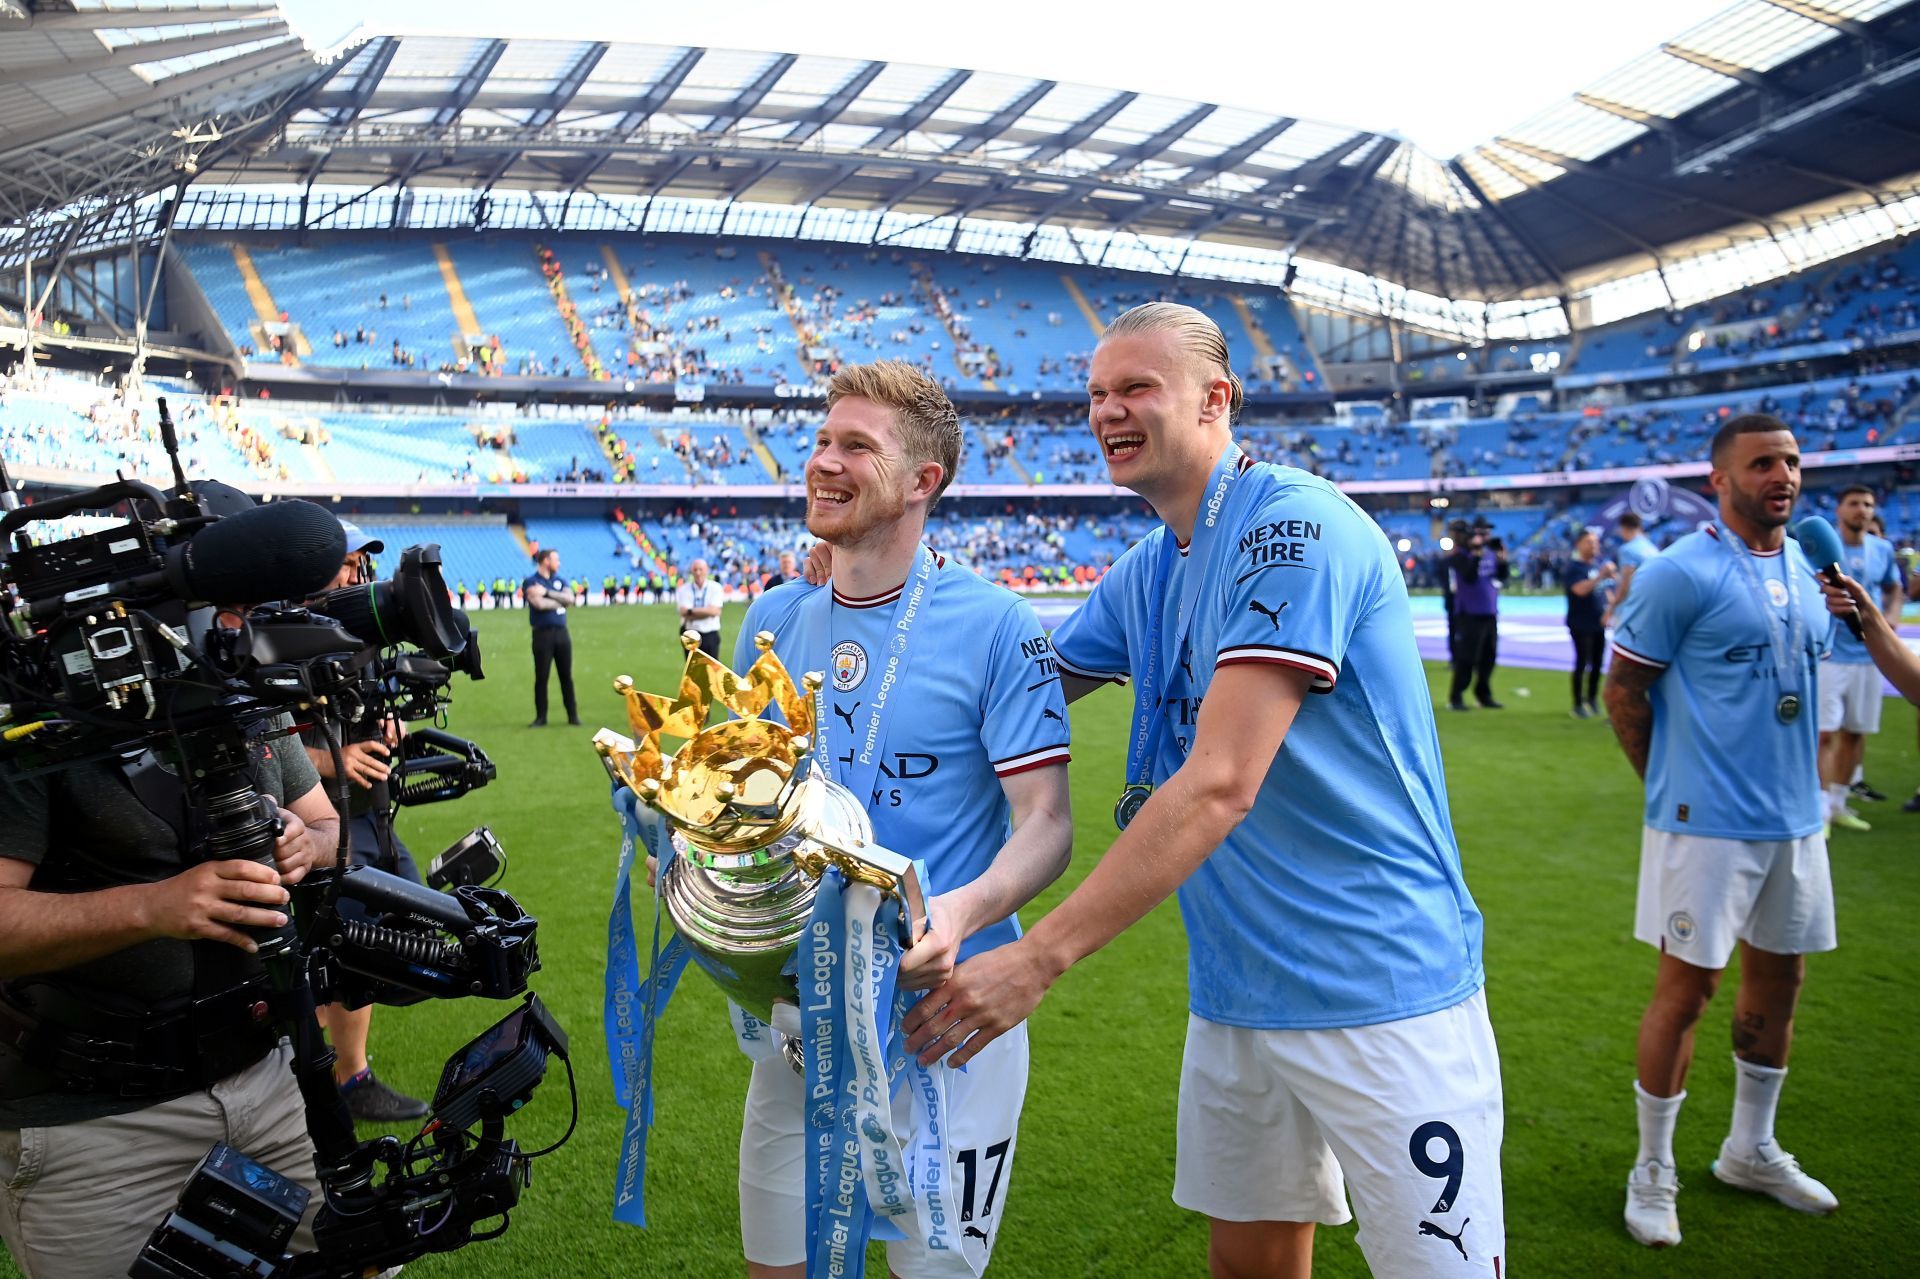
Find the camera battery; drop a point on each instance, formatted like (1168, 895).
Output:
(244, 1201)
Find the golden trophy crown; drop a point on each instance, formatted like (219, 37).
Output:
(747, 807)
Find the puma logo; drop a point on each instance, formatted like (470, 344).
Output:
(974, 1232)
(1428, 1228)
(846, 715)
(1050, 713)
(1272, 614)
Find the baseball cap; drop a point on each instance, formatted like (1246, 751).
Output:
(358, 541)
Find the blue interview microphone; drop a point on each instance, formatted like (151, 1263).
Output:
(1822, 546)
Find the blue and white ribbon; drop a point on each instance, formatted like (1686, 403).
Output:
(633, 1005)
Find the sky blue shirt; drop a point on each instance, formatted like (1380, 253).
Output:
(1721, 762)
(1871, 564)
(1339, 900)
(1636, 552)
(980, 701)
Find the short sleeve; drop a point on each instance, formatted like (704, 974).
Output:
(290, 759)
(1024, 712)
(1662, 605)
(1302, 573)
(1092, 643)
(1889, 577)
(24, 816)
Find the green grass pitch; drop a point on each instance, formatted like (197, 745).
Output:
(1548, 817)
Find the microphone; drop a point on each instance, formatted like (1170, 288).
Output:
(284, 550)
(1822, 546)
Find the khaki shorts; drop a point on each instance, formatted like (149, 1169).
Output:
(77, 1201)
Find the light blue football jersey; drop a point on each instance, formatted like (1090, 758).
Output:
(980, 701)
(1339, 900)
(1722, 762)
(1872, 564)
(1636, 552)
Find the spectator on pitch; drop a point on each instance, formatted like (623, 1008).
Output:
(1716, 657)
(548, 598)
(1850, 695)
(1583, 578)
(1478, 570)
(1636, 548)
(1287, 783)
(699, 599)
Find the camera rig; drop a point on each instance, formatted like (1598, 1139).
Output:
(146, 641)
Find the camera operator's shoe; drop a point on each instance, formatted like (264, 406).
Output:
(1457, 705)
(1912, 805)
(1488, 704)
(369, 1098)
(1774, 1172)
(574, 720)
(539, 723)
(1861, 790)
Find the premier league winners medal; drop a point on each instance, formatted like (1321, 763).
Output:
(755, 821)
(1788, 707)
(1131, 800)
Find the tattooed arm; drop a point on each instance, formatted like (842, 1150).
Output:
(1628, 708)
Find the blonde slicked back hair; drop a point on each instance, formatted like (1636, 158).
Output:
(925, 418)
(1199, 337)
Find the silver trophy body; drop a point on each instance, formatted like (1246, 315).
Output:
(755, 822)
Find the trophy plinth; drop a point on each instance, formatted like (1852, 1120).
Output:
(754, 821)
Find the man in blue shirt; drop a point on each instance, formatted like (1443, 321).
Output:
(1636, 548)
(1850, 692)
(1712, 696)
(950, 682)
(1285, 778)
(1584, 580)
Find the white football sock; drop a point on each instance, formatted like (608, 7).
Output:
(1859, 775)
(1756, 1095)
(1836, 797)
(1658, 1117)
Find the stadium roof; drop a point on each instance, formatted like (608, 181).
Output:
(102, 100)
(1770, 106)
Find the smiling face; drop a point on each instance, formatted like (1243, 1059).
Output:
(1159, 416)
(1757, 478)
(860, 481)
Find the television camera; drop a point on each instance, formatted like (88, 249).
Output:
(145, 645)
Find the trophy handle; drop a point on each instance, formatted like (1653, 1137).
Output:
(891, 873)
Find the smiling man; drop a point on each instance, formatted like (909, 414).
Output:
(1284, 776)
(942, 711)
(1712, 696)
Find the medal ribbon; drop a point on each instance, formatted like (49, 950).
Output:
(1786, 645)
(633, 1007)
(1149, 726)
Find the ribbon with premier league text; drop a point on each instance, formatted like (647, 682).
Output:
(633, 1005)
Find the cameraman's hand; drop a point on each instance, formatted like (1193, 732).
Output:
(299, 848)
(214, 900)
(365, 763)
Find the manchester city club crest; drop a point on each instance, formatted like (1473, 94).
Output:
(1680, 926)
(1777, 592)
(849, 666)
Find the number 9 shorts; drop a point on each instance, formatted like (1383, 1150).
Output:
(1406, 1116)
(983, 1117)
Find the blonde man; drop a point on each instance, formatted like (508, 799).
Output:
(1284, 776)
(946, 686)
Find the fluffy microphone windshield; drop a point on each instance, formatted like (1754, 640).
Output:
(285, 550)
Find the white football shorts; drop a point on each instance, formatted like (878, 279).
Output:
(1851, 696)
(1280, 1125)
(983, 1116)
(1699, 895)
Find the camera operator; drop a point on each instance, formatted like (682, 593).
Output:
(1478, 570)
(364, 755)
(114, 948)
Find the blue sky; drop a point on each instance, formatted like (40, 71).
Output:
(1446, 75)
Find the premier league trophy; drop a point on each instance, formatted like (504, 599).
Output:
(755, 819)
